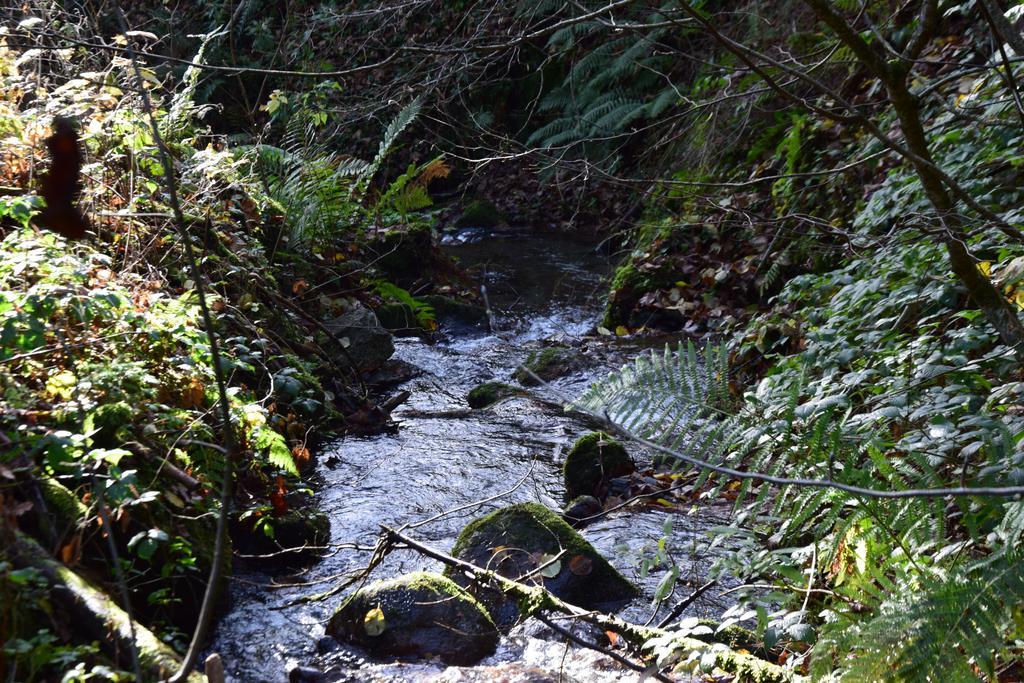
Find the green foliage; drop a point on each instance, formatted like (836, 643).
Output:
(880, 380)
(423, 311)
(318, 191)
(610, 87)
(960, 624)
(31, 651)
(408, 192)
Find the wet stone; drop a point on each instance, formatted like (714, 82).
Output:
(306, 674)
(517, 540)
(592, 466)
(416, 616)
(369, 344)
(548, 364)
(580, 509)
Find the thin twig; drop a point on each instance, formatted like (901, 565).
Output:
(597, 648)
(686, 602)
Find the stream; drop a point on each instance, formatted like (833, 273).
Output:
(543, 289)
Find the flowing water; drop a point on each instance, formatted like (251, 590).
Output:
(443, 457)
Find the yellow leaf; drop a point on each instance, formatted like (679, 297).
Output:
(985, 267)
(622, 331)
(373, 622)
(62, 385)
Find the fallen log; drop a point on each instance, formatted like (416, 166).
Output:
(96, 613)
(533, 599)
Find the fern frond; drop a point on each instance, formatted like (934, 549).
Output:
(948, 631)
(406, 116)
(183, 107)
(665, 396)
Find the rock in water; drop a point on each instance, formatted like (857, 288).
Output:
(369, 344)
(517, 540)
(548, 364)
(417, 615)
(581, 509)
(489, 393)
(593, 461)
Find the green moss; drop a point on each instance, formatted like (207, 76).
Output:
(593, 460)
(628, 285)
(746, 668)
(428, 581)
(626, 275)
(480, 213)
(531, 530)
(397, 317)
(62, 503)
(547, 364)
(489, 393)
(420, 615)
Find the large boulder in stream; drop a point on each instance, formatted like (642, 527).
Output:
(592, 462)
(369, 344)
(547, 364)
(414, 616)
(521, 539)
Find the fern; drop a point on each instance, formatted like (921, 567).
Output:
(674, 398)
(946, 631)
(423, 311)
(183, 108)
(406, 116)
(613, 82)
(922, 614)
(319, 191)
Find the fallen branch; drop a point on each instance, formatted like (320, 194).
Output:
(535, 599)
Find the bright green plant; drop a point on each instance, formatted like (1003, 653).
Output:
(319, 191)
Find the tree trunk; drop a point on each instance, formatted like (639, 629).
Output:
(997, 310)
(95, 613)
(1010, 35)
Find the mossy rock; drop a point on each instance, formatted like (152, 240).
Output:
(489, 393)
(462, 312)
(415, 616)
(593, 460)
(404, 253)
(480, 213)
(516, 540)
(547, 364)
(399, 319)
(298, 528)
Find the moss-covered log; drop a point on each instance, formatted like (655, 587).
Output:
(97, 614)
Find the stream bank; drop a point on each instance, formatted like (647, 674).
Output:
(444, 456)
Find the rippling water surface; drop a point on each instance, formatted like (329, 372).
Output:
(444, 456)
